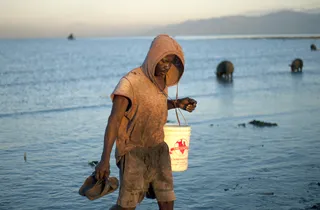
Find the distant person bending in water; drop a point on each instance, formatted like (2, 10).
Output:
(225, 70)
(296, 65)
(138, 115)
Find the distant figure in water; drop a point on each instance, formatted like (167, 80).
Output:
(296, 65)
(71, 37)
(313, 47)
(225, 70)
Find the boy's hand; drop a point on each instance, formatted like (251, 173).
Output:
(102, 170)
(187, 104)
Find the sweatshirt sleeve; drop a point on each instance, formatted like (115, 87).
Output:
(123, 88)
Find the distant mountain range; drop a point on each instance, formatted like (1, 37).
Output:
(281, 22)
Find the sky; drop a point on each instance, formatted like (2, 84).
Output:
(54, 18)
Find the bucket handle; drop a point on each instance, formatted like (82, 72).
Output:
(176, 108)
(174, 104)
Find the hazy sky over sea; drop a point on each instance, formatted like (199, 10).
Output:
(54, 18)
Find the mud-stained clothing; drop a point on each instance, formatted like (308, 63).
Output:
(142, 167)
(141, 129)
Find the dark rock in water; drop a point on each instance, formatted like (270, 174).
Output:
(93, 163)
(267, 193)
(235, 186)
(316, 206)
(211, 125)
(242, 125)
(262, 123)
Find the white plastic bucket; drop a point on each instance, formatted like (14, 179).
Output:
(177, 138)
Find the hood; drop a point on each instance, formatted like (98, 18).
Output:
(162, 46)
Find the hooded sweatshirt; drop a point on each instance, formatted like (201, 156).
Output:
(142, 125)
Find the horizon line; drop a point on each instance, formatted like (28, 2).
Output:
(186, 37)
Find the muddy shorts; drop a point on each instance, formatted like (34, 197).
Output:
(142, 168)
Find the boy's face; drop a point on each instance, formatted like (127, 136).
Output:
(164, 65)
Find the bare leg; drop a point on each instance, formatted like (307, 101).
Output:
(117, 207)
(166, 205)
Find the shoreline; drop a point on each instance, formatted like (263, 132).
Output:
(280, 36)
(286, 37)
(187, 37)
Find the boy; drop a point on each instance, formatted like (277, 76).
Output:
(139, 113)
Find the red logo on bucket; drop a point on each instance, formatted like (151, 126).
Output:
(180, 147)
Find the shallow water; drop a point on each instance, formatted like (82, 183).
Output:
(54, 105)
